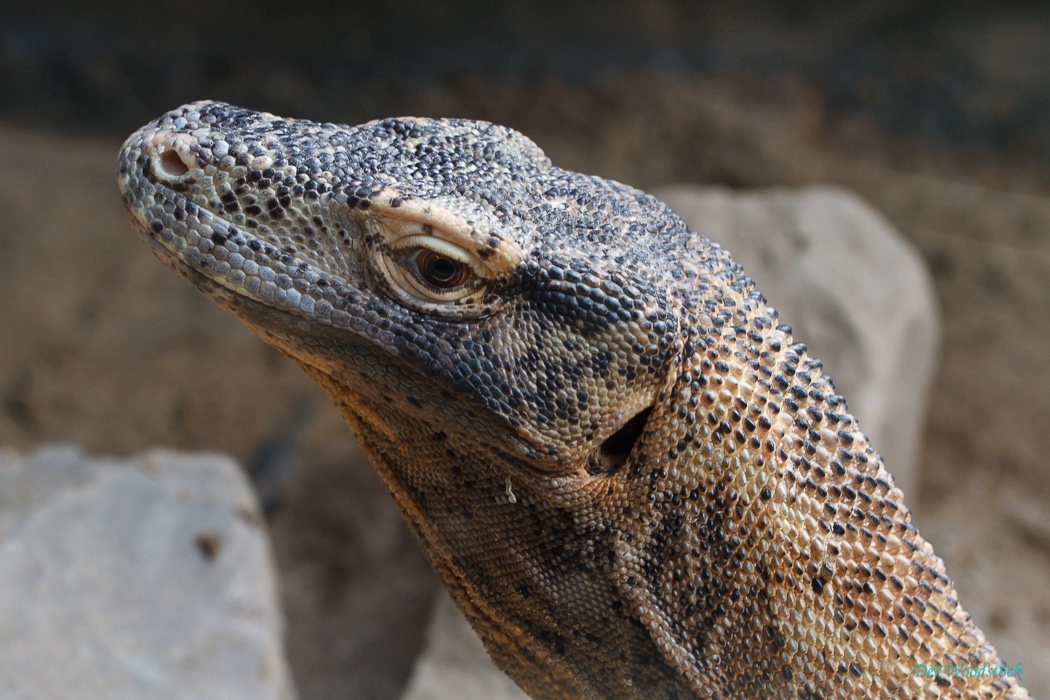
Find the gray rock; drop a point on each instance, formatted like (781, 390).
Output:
(853, 289)
(142, 578)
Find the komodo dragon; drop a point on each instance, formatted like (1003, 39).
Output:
(632, 480)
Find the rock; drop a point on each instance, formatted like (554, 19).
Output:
(854, 291)
(149, 577)
(852, 288)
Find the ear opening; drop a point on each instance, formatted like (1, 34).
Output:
(617, 447)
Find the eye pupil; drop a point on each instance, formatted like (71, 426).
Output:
(442, 272)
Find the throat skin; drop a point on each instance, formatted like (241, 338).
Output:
(503, 587)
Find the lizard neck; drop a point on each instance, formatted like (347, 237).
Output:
(535, 583)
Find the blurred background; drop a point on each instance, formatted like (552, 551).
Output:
(937, 113)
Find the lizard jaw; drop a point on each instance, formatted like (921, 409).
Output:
(186, 235)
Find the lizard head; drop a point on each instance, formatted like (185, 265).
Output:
(697, 516)
(425, 270)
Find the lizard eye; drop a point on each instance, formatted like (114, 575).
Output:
(440, 271)
(431, 260)
(426, 269)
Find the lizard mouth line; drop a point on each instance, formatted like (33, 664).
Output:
(227, 255)
(256, 298)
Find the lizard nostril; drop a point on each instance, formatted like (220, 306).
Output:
(171, 164)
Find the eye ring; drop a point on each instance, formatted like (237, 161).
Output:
(441, 271)
(433, 272)
(427, 272)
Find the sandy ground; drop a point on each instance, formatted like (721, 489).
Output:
(101, 346)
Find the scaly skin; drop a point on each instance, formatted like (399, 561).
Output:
(630, 478)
